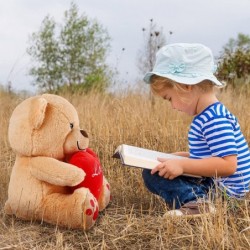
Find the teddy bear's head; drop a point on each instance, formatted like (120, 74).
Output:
(46, 125)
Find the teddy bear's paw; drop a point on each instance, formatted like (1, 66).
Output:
(90, 211)
(105, 195)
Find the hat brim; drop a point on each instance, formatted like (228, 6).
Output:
(184, 80)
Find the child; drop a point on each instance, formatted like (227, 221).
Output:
(218, 151)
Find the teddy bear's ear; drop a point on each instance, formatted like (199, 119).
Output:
(37, 112)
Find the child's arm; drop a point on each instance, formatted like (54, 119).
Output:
(209, 167)
(181, 153)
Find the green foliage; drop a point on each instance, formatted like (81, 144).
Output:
(234, 62)
(46, 52)
(72, 54)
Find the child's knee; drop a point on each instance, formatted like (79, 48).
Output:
(148, 179)
(146, 174)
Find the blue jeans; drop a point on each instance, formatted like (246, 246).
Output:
(178, 191)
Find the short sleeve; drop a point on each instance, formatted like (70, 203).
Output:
(220, 137)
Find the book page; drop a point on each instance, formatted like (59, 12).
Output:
(146, 153)
(141, 157)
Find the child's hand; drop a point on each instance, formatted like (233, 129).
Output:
(168, 168)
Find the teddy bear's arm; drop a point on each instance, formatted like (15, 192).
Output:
(56, 172)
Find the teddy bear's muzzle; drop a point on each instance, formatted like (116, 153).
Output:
(79, 147)
(83, 142)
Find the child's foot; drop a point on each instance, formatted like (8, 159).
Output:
(193, 209)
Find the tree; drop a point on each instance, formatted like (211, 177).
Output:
(234, 61)
(45, 52)
(154, 39)
(70, 55)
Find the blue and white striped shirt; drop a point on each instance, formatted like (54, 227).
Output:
(216, 133)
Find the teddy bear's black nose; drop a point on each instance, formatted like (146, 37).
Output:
(84, 133)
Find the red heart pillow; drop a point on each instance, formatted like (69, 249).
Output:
(89, 162)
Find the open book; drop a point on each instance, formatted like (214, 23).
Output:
(141, 157)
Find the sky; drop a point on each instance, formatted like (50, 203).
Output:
(211, 22)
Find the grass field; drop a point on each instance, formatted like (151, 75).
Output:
(133, 219)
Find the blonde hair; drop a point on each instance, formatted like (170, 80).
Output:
(159, 84)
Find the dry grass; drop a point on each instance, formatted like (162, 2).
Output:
(133, 219)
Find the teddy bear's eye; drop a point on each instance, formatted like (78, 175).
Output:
(71, 125)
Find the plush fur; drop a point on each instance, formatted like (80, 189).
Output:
(43, 132)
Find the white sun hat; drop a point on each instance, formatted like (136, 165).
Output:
(186, 63)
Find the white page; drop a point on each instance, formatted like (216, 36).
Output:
(146, 153)
(144, 158)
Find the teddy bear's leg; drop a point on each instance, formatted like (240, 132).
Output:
(7, 208)
(77, 210)
(90, 210)
(104, 198)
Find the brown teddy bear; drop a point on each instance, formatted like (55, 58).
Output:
(44, 131)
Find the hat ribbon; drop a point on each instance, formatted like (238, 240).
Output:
(176, 68)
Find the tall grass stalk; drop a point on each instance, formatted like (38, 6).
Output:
(134, 218)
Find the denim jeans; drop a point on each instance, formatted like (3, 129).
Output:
(178, 191)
